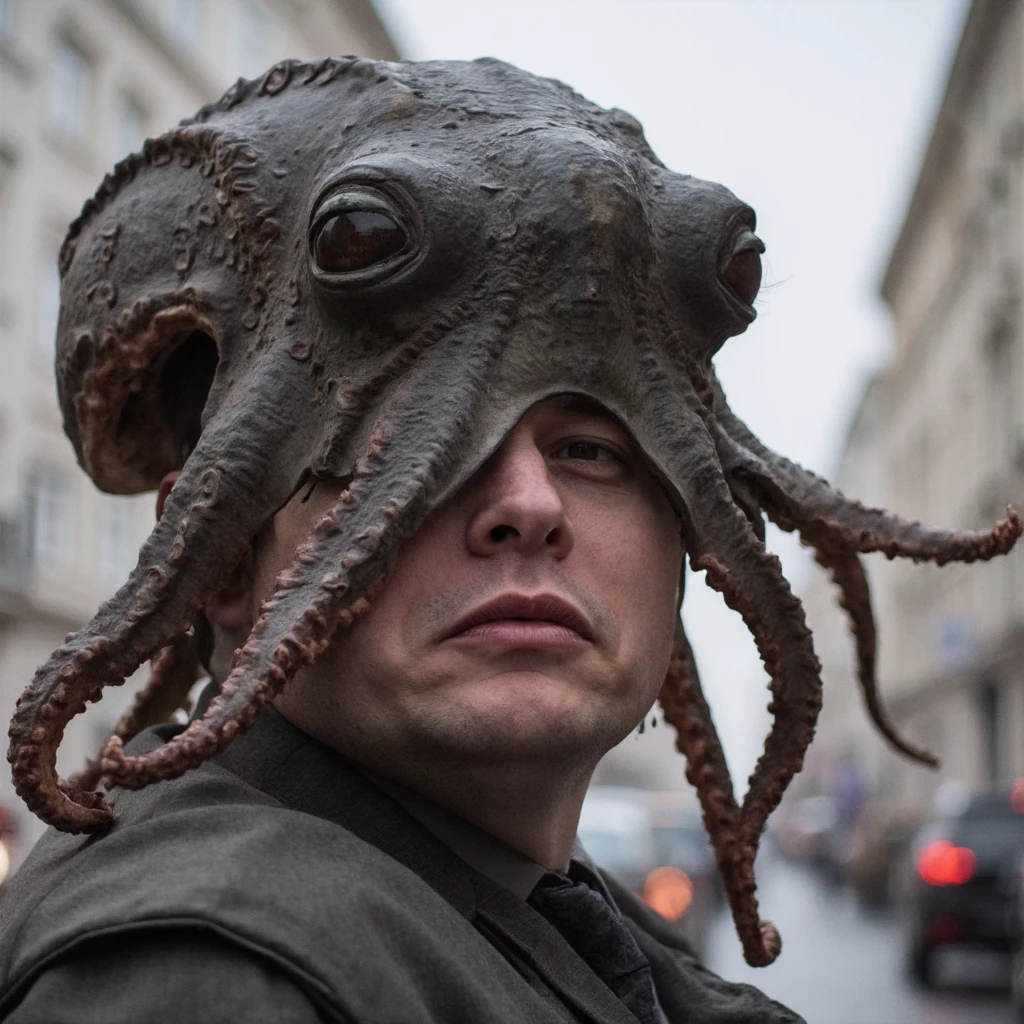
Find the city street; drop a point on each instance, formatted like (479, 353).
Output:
(840, 965)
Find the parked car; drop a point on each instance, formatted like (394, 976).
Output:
(655, 844)
(617, 832)
(683, 846)
(806, 829)
(877, 844)
(959, 884)
(1017, 941)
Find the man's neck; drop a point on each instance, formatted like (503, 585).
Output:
(532, 808)
(531, 803)
(520, 807)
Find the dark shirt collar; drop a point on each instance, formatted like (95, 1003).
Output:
(485, 853)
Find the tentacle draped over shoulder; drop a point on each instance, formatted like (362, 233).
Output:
(371, 271)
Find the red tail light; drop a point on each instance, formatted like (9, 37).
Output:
(1017, 797)
(942, 863)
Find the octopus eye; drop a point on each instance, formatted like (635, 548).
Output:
(742, 273)
(351, 240)
(359, 234)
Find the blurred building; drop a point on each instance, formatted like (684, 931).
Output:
(939, 437)
(82, 83)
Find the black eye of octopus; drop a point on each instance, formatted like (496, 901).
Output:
(742, 273)
(356, 239)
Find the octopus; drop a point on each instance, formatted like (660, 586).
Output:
(370, 271)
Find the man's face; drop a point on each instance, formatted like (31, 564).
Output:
(530, 617)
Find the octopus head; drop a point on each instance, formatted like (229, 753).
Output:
(371, 271)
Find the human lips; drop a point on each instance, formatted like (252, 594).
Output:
(517, 620)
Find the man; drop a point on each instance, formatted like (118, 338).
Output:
(524, 630)
(419, 359)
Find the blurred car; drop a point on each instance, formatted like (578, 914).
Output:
(683, 845)
(958, 890)
(806, 828)
(655, 844)
(617, 832)
(1017, 941)
(878, 843)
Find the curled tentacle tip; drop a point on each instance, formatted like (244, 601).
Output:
(1013, 522)
(923, 756)
(770, 948)
(82, 810)
(112, 760)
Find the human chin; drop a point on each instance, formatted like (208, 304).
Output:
(518, 714)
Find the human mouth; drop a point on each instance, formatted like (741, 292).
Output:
(516, 620)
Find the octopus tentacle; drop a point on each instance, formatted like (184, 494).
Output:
(794, 493)
(754, 586)
(685, 707)
(335, 572)
(746, 500)
(720, 540)
(360, 396)
(174, 672)
(848, 574)
(253, 682)
(214, 509)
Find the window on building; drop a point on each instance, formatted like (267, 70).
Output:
(70, 90)
(988, 719)
(8, 161)
(1003, 407)
(183, 19)
(913, 476)
(48, 302)
(130, 128)
(117, 549)
(48, 516)
(7, 15)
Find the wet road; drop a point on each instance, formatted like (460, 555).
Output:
(840, 965)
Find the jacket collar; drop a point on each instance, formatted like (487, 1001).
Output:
(305, 775)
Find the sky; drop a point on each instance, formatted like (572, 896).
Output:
(817, 113)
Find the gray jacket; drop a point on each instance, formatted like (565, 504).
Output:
(277, 884)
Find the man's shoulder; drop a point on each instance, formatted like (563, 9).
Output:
(211, 851)
(213, 829)
(163, 975)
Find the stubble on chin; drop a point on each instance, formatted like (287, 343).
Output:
(514, 727)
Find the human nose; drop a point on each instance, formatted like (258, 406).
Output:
(520, 510)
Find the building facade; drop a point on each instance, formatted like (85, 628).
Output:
(939, 437)
(82, 83)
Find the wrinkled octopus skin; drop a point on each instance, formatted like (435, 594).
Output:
(372, 270)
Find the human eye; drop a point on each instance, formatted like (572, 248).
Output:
(587, 451)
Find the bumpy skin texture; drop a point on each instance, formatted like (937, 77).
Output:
(536, 246)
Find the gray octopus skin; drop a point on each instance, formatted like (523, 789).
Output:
(536, 246)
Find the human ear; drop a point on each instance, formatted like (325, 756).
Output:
(164, 490)
(230, 607)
